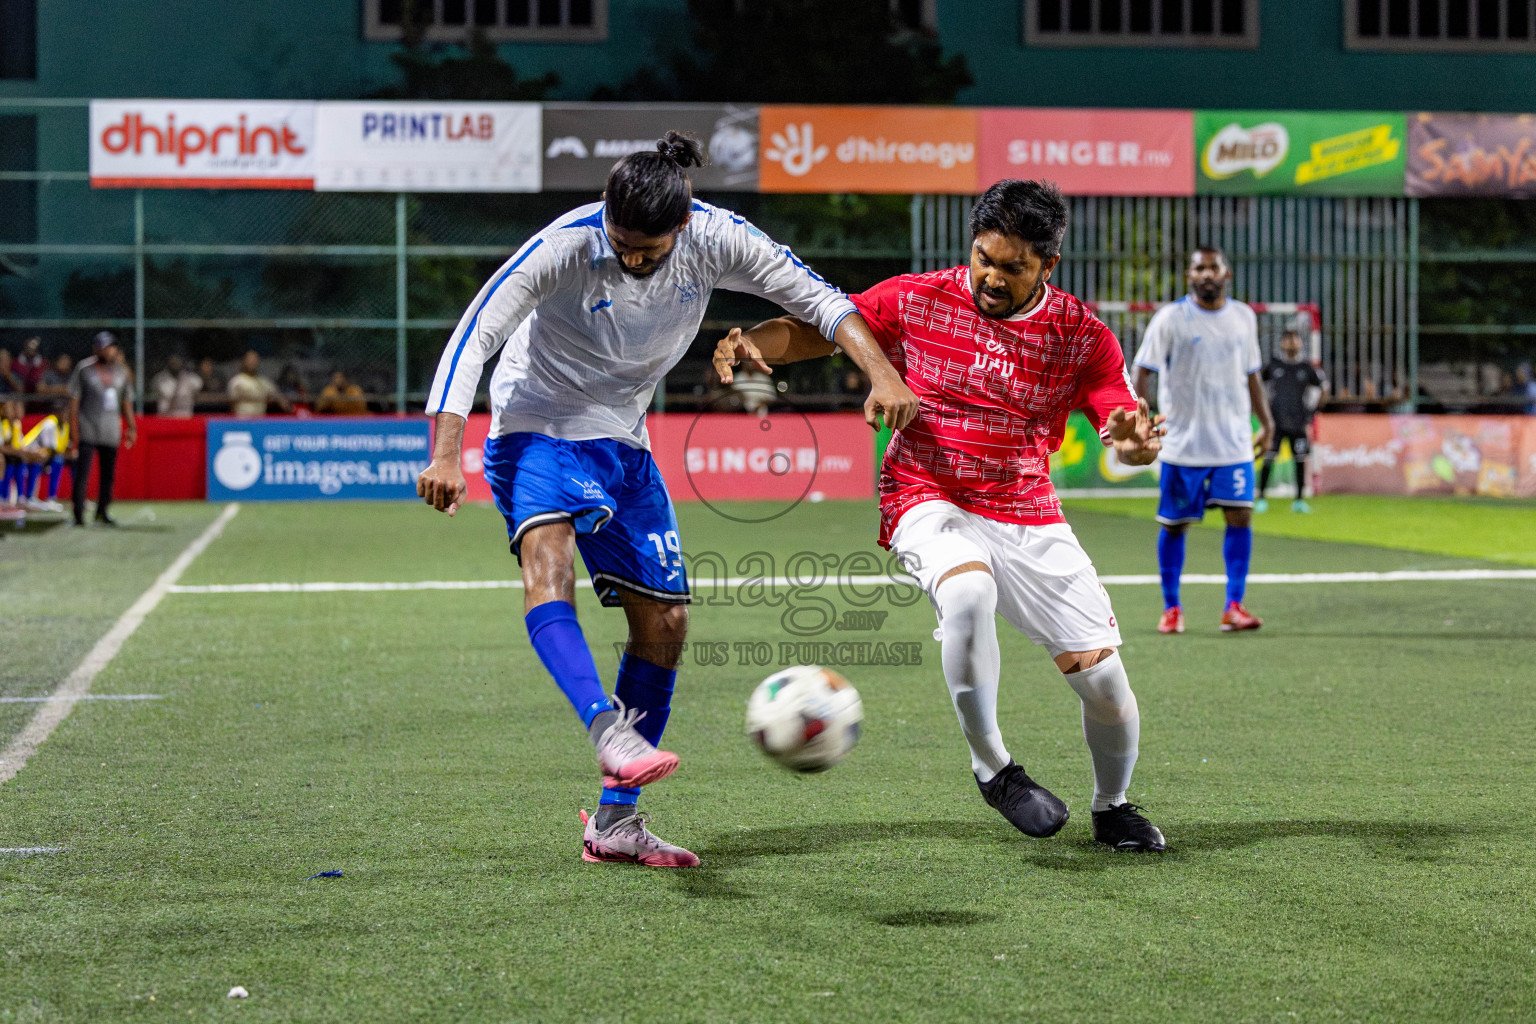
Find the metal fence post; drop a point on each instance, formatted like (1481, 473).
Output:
(1413, 304)
(138, 299)
(400, 302)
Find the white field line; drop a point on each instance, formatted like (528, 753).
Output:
(1399, 576)
(78, 683)
(83, 696)
(29, 851)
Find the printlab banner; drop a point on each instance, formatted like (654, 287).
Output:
(1300, 152)
(1091, 152)
(1472, 155)
(316, 459)
(1493, 456)
(202, 144)
(380, 146)
(867, 149)
(582, 141)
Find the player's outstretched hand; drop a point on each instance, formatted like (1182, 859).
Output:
(1138, 435)
(732, 349)
(442, 486)
(890, 397)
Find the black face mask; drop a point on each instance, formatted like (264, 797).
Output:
(1011, 310)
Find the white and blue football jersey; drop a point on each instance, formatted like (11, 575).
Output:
(1202, 358)
(584, 344)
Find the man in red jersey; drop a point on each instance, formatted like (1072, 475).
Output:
(998, 359)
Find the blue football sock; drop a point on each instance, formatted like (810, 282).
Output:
(644, 687)
(1238, 548)
(1170, 564)
(55, 476)
(561, 646)
(29, 475)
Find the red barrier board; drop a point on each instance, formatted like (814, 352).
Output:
(1091, 152)
(1493, 456)
(786, 456)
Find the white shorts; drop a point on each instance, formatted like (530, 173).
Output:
(1047, 588)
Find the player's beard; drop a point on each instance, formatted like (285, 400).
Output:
(1011, 310)
(1210, 292)
(650, 269)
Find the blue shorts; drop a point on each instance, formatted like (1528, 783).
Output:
(613, 494)
(1189, 490)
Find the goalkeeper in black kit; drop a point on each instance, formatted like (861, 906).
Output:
(1296, 389)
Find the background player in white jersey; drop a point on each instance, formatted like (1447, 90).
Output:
(1205, 350)
(589, 316)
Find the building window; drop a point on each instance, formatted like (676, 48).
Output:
(18, 38)
(1233, 24)
(452, 21)
(1475, 26)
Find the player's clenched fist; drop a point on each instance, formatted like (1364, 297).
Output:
(733, 349)
(890, 397)
(442, 485)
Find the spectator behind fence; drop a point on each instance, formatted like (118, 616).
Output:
(215, 384)
(13, 454)
(250, 393)
(341, 397)
(55, 380)
(291, 383)
(9, 382)
(1525, 389)
(30, 365)
(99, 401)
(48, 442)
(176, 389)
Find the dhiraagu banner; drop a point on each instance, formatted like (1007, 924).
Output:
(1324, 153)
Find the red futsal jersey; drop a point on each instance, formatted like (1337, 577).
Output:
(994, 395)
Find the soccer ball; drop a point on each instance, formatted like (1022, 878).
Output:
(806, 718)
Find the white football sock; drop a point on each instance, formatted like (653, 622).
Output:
(967, 605)
(1111, 725)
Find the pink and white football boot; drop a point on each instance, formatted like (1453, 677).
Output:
(628, 841)
(627, 758)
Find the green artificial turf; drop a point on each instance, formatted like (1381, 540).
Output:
(1345, 795)
(1498, 529)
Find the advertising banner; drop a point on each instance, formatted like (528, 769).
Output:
(202, 144)
(582, 141)
(867, 149)
(316, 459)
(1084, 464)
(1493, 456)
(1271, 152)
(385, 146)
(786, 457)
(1472, 155)
(1091, 152)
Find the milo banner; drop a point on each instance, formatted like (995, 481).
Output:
(582, 141)
(1270, 152)
(1472, 155)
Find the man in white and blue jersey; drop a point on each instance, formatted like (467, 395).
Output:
(589, 315)
(1205, 350)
